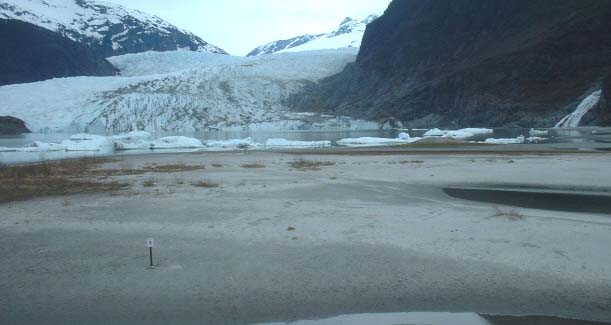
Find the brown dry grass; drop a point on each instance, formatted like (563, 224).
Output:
(151, 168)
(151, 182)
(68, 177)
(507, 213)
(205, 184)
(309, 164)
(253, 165)
(412, 162)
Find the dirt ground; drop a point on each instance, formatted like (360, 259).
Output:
(279, 236)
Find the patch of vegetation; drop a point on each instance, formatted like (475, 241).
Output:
(60, 178)
(205, 184)
(217, 165)
(151, 182)
(172, 168)
(412, 162)
(253, 165)
(507, 213)
(303, 165)
(150, 168)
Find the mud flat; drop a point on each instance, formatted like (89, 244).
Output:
(264, 237)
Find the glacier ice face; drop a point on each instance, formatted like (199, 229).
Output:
(177, 91)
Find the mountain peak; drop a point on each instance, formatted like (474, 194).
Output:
(369, 19)
(346, 20)
(109, 29)
(348, 34)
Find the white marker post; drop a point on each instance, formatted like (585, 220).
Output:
(150, 244)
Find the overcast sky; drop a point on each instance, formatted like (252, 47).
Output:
(238, 26)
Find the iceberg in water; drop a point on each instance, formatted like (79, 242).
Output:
(283, 143)
(517, 140)
(87, 142)
(38, 146)
(369, 141)
(537, 133)
(176, 142)
(132, 136)
(173, 142)
(232, 144)
(458, 134)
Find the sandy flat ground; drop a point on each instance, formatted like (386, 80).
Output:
(373, 233)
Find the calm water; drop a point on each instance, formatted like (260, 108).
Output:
(586, 138)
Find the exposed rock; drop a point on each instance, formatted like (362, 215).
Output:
(12, 125)
(474, 63)
(30, 53)
(601, 115)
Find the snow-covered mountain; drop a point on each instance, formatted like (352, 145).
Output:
(348, 34)
(178, 91)
(108, 28)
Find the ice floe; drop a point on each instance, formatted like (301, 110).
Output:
(176, 142)
(369, 141)
(517, 140)
(142, 140)
(232, 144)
(458, 134)
(537, 133)
(283, 143)
(134, 135)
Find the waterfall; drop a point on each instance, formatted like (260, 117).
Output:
(572, 120)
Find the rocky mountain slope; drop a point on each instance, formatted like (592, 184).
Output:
(12, 125)
(474, 63)
(179, 91)
(109, 29)
(348, 34)
(33, 54)
(601, 113)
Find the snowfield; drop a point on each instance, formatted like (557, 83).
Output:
(179, 91)
(348, 34)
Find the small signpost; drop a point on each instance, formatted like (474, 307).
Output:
(150, 243)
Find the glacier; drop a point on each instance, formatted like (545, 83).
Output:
(181, 91)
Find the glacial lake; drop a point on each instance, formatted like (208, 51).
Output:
(589, 138)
